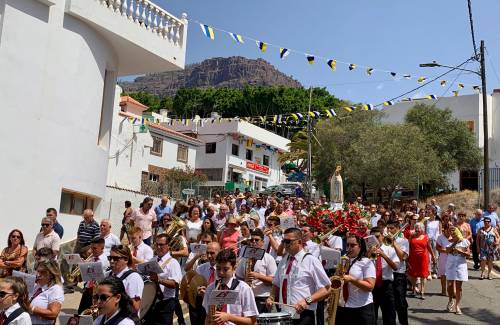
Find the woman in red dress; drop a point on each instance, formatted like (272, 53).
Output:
(418, 261)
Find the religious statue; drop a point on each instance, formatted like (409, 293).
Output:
(336, 187)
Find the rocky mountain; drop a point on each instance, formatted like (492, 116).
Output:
(233, 72)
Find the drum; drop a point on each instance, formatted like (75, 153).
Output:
(148, 297)
(274, 319)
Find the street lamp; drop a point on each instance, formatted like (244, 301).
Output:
(486, 161)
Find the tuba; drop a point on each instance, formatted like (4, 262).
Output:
(172, 230)
(337, 282)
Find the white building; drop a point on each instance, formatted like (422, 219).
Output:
(468, 108)
(59, 62)
(237, 153)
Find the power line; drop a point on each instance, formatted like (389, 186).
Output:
(472, 29)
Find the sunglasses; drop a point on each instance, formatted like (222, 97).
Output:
(254, 239)
(15, 236)
(288, 241)
(101, 297)
(4, 293)
(45, 224)
(115, 258)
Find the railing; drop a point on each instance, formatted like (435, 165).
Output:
(151, 17)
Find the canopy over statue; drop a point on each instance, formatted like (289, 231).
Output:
(336, 187)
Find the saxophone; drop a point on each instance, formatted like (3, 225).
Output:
(249, 268)
(337, 282)
(213, 308)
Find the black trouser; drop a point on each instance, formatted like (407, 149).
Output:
(320, 313)
(178, 309)
(356, 316)
(475, 254)
(197, 315)
(261, 304)
(383, 297)
(399, 288)
(86, 300)
(306, 318)
(162, 312)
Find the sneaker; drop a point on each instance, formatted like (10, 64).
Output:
(458, 311)
(434, 276)
(450, 306)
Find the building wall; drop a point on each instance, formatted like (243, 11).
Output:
(168, 159)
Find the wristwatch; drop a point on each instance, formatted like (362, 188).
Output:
(309, 300)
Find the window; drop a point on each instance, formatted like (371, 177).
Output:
(235, 150)
(154, 177)
(213, 174)
(75, 203)
(157, 146)
(210, 147)
(470, 126)
(182, 153)
(249, 154)
(265, 160)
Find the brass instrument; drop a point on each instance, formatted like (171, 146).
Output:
(322, 237)
(212, 309)
(172, 230)
(372, 252)
(76, 273)
(92, 311)
(249, 268)
(337, 282)
(389, 239)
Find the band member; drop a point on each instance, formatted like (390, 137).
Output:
(332, 241)
(261, 275)
(300, 279)
(98, 255)
(309, 245)
(193, 259)
(245, 311)
(180, 249)
(120, 260)
(402, 248)
(48, 294)
(169, 280)
(14, 302)
(140, 252)
(114, 305)
(383, 293)
(356, 301)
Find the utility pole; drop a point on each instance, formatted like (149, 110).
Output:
(486, 161)
(309, 146)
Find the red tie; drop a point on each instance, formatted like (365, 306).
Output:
(2, 318)
(345, 292)
(211, 277)
(135, 252)
(223, 308)
(378, 271)
(285, 281)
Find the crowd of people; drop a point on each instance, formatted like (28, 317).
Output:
(290, 279)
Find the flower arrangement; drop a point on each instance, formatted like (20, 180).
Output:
(351, 219)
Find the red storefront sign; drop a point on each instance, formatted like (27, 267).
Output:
(257, 167)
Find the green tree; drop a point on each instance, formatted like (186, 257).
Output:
(449, 137)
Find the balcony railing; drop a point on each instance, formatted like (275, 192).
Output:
(149, 16)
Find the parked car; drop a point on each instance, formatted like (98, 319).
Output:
(281, 189)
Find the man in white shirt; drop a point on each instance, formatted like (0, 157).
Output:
(140, 252)
(261, 210)
(169, 280)
(261, 276)
(245, 310)
(402, 248)
(374, 216)
(386, 263)
(300, 280)
(110, 239)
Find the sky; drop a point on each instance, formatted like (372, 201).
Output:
(390, 35)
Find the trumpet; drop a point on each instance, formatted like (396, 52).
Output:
(389, 239)
(322, 237)
(76, 273)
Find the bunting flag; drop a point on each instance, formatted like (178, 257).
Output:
(352, 66)
(262, 46)
(431, 97)
(461, 86)
(421, 79)
(208, 31)
(347, 108)
(455, 93)
(310, 59)
(237, 38)
(283, 52)
(408, 99)
(297, 116)
(407, 76)
(315, 114)
(330, 113)
(393, 74)
(277, 119)
(369, 71)
(368, 107)
(476, 88)
(332, 64)
(443, 83)
(388, 103)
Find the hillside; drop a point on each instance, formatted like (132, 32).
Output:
(232, 72)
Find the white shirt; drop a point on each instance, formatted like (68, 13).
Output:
(335, 242)
(262, 216)
(126, 321)
(376, 217)
(313, 248)
(271, 250)
(404, 244)
(387, 271)
(204, 270)
(193, 229)
(109, 241)
(144, 252)
(133, 283)
(305, 278)
(362, 269)
(433, 229)
(171, 271)
(54, 293)
(23, 319)
(266, 266)
(246, 300)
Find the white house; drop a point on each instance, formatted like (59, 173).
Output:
(236, 153)
(59, 62)
(468, 108)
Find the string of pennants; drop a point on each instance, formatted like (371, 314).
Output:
(209, 32)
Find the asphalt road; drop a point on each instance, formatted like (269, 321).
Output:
(479, 304)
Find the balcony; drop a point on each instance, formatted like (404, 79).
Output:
(146, 38)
